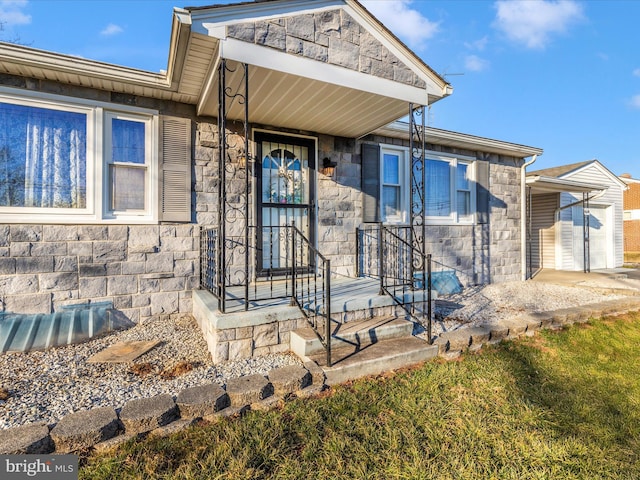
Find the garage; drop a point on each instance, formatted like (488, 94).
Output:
(559, 200)
(599, 238)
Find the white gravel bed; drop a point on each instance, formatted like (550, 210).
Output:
(47, 385)
(476, 305)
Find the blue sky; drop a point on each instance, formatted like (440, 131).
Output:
(562, 75)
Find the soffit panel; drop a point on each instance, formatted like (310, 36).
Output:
(283, 100)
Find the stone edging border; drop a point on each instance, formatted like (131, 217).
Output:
(105, 428)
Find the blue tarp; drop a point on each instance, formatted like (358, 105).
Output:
(444, 282)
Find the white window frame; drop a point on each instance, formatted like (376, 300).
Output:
(454, 218)
(405, 188)
(148, 166)
(97, 178)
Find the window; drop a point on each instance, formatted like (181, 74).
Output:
(128, 160)
(450, 190)
(43, 158)
(394, 193)
(64, 160)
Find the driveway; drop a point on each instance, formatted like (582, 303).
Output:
(614, 278)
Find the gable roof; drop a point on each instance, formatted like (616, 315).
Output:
(560, 171)
(327, 66)
(565, 172)
(288, 87)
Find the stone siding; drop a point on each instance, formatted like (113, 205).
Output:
(144, 270)
(332, 37)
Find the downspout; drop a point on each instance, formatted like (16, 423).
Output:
(523, 216)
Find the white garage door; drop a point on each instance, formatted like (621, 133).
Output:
(599, 243)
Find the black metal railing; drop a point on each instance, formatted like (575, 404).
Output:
(277, 263)
(263, 255)
(311, 284)
(389, 253)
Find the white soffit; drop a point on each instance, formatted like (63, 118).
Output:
(291, 101)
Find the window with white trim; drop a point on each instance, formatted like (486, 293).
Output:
(394, 197)
(69, 160)
(450, 195)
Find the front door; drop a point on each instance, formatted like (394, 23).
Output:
(286, 186)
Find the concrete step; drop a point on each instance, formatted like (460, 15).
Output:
(304, 342)
(376, 358)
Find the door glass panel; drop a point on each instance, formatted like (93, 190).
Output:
(285, 198)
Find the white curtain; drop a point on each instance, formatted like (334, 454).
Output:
(55, 167)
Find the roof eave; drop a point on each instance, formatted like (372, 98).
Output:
(69, 64)
(461, 140)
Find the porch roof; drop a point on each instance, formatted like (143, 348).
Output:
(292, 87)
(286, 89)
(544, 184)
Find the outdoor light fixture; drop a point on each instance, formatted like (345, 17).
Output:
(328, 167)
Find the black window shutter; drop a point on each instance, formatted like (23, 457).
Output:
(370, 183)
(482, 191)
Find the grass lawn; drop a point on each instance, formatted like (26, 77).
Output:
(559, 405)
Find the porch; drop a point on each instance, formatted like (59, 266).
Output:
(243, 314)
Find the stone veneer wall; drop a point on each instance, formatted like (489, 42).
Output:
(480, 253)
(145, 270)
(332, 37)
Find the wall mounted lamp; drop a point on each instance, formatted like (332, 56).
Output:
(328, 167)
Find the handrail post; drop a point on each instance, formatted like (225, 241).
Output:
(429, 312)
(357, 252)
(327, 280)
(380, 259)
(293, 265)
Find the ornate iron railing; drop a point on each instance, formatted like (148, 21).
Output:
(388, 252)
(233, 285)
(311, 285)
(296, 271)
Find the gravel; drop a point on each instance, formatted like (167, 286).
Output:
(47, 385)
(476, 305)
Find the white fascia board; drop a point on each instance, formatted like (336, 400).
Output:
(601, 168)
(180, 27)
(271, 59)
(462, 140)
(562, 185)
(206, 19)
(80, 66)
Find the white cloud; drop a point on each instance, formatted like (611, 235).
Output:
(635, 101)
(398, 16)
(11, 12)
(534, 22)
(636, 72)
(474, 63)
(479, 44)
(111, 29)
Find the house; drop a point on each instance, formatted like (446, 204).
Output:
(262, 166)
(576, 217)
(631, 214)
